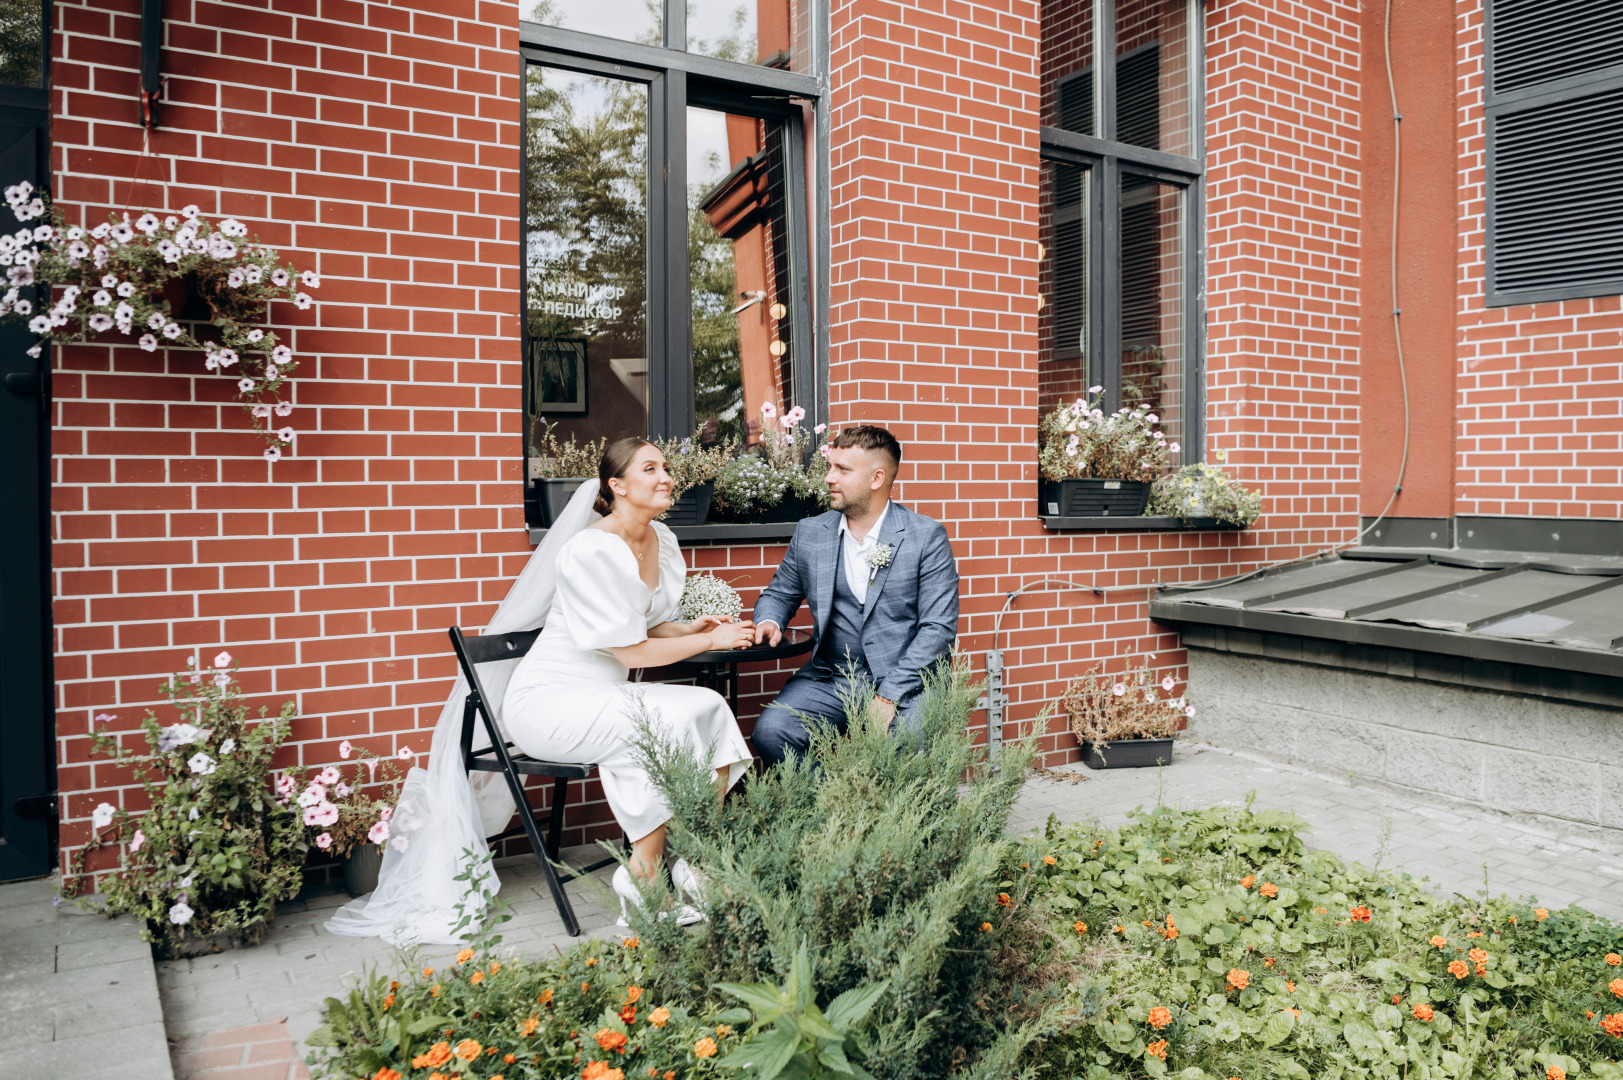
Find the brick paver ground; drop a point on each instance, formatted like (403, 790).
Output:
(232, 1005)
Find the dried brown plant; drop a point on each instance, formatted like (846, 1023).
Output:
(1105, 708)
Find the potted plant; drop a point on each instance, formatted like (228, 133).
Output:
(341, 817)
(780, 480)
(1098, 465)
(694, 465)
(205, 865)
(706, 594)
(1203, 491)
(1127, 721)
(131, 278)
(558, 468)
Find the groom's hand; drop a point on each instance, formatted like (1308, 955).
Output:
(769, 633)
(885, 710)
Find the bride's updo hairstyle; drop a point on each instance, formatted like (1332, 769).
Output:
(616, 460)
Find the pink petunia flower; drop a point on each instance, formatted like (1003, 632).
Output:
(324, 841)
(345, 749)
(137, 840)
(378, 833)
(1119, 689)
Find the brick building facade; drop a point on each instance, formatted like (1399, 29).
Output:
(381, 145)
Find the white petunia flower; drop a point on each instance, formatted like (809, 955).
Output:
(172, 330)
(272, 454)
(313, 795)
(228, 746)
(102, 815)
(222, 659)
(123, 233)
(103, 298)
(155, 321)
(245, 385)
(23, 306)
(126, 290)
(148, 343)
(227, 357)
(262, 411)
(284, 408)
(100, 322)
(147, 223)
(345, 749)
(279, 277)
(180, 914)
(303, 302)
(233, 227)
(254, 275)
(256, 335)
(39, 324)
(201, 764)
(285, 434)
(190, 212)
(281, 354)
(234, 279)
(310, 280)
(378, 833)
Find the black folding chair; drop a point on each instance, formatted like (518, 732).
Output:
(500, 756)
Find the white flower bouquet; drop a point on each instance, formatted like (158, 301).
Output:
(1079, 441)
(706, 594)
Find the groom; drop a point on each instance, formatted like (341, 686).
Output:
(883, 588)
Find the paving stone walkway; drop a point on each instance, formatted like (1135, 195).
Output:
(244, 1014)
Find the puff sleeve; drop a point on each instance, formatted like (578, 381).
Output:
(603, 598)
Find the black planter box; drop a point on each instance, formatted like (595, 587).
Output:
(552, 495)
(1127, 753)
(693, 508)
(1092, 498)
(790, 508)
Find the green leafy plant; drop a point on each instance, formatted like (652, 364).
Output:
(1080, 441)
(1200, 490)
(113, 277)
(217, 849)
(781, 464)
(800, 1040)
(691, 461)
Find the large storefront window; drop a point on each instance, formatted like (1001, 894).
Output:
(668, 261)
(1121, 209)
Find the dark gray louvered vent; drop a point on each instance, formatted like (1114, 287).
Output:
(1138, 98)
(1076, 102)
(1140, 261)
(1535, 41)
(1070, 262)
(1556, 198)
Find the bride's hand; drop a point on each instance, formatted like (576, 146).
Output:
(705, 623)
(726, 636)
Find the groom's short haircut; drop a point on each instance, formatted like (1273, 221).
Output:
(870, 437)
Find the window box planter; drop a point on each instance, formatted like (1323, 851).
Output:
(1092, 498)
(552, 494)
(361, 867)
(790, 509)
(1127, 753)
(693, 508)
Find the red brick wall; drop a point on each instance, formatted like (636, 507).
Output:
(1539, 406)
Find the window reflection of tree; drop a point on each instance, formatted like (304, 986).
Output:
(22, 62)
(586, 218)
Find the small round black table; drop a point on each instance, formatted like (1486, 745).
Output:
(718, 669)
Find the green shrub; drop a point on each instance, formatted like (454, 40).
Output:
(1208, 944)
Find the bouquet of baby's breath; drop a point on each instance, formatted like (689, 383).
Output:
(559, 459)
(1080, 442)
(1133, 706)
(691, 462)
(706, 594)
(1199, 490)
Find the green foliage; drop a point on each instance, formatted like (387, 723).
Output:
(882, 861)
(564, 459)
(783, 464)
(217, 849)
(1272, 961)
(691, 461)
(1080, 441)
(1201, 490)
(803, 1040)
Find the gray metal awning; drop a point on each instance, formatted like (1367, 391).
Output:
(1547, 610)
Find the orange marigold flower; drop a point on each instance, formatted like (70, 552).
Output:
(435, 992)
(394, 985)
(1397, 999)
(1239, 978)
(659, 1017)
(986, 928)
(628, 1015)
(1079, 926)
(1269, 889)
(495, 968)
(478, 977)
(388, 1001)
(591, 961)
(427, 972)
(705, 1047)
(632, 994)
(464, 956)
(1158, 1048)
(1613, 1025)
(545, 998)
(1268, 962)
(1361, 913)
(386, 1073)
(584, 987)
(1459, 969)
(1588, 1015)
(1296, 1014)
(669, 1075)
(1003, 900)
(652, 1071)
(629, 943)
(1542, 913)
(467, 1049)
(1614, 959)
(609, 1039)
(599, 1070)
(1474, 933)
(1513, 920)
(1159, 1017)
(724, 1030)
(1050, 860)
(1555, 1072)
(1477, 956)
(433, 1057)
(1145, 922)
(528, 1027)
(1119, 930)
(1171, 932)
(1247, 881)
(1423, 1013)
(1438, 941)
(1290, 986)
(1481, 970)
(1616, 987)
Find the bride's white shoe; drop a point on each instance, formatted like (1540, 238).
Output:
(623, 887)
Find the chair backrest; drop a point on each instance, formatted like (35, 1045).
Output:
(487, 648)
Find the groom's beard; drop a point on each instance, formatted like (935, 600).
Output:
(847, 507)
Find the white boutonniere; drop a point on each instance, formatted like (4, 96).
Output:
(877, 559)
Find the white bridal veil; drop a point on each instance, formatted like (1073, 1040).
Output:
(443, 812)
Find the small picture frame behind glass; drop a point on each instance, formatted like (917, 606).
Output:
(558, 376)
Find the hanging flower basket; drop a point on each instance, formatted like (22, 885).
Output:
(158, 280)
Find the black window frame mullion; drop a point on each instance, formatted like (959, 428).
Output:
(1104, 70)
(670, 378)
(676, 25)
(747, 78)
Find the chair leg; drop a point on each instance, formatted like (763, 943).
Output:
(555, 827)
(559, 898)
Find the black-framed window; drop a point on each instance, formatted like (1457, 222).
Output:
(1122, 210)
(1553, 98)
(669, 260)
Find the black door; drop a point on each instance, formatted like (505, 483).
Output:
(27, 808)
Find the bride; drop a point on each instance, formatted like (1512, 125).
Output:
(604, 586)
(619, 582)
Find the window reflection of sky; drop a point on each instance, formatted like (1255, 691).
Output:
(628, 20)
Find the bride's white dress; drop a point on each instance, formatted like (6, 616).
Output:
(569, 699)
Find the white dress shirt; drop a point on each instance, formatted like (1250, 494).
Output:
(857, 571)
